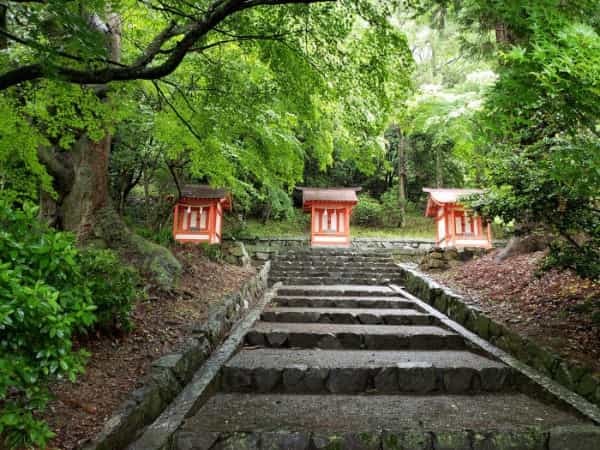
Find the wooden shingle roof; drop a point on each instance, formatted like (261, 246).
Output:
(337, 194)
(203, 191)
(439, 197)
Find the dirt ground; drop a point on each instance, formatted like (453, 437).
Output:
(118, 363)
(548, 307)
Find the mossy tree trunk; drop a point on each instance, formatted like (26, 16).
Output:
(84, 206)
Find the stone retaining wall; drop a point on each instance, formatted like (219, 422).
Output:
(581, 380)
(170, 373)
(262, 249)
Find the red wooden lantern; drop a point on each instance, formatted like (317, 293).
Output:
(198, 214)
(330, 211)
(455, 227)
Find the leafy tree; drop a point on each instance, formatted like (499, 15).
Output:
(540, 122)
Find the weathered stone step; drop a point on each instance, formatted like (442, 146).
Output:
(352, 371)
(335, 336)
(351, 272)
(324, 281)
(334, 263)
(366, 316)
(337, 290)
(331, 258)
(342, 302)
(351, 422)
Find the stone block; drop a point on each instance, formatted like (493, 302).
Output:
(277, 339)
(510, 440)
(409, 440)
(583, 437)
(417, 379)
(386, 380)
(452, 440)
(458, 380)
(330, 442)
(285, 441)
(493, 379)
(194, 441)
(238, 441)
(587, 385)
(347, 380)
(361, 441)
(314, 380)
(266, 380)
(293, 377)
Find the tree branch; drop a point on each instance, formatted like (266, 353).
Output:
(141, 68)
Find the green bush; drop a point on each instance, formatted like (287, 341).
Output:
(368, 212)
(391, 212)
(49, 291)
(113, 287)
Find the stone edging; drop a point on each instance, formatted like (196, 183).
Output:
(170, 373)
(574, 378)
(161, 433)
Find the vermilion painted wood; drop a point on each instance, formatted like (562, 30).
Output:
(478, 234)
(210, 233)
(320, 237)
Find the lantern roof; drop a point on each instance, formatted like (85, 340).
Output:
(203, 191)
(438, 197)
(345, 195)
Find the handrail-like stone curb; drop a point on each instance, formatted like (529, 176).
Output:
(159, 435)
(570, 384)
(172, 372)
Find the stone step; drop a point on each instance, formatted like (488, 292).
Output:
(336, 336)
(327, 263)
(337, 290)
(350, 272)
(343, 302)
(325, 281)
(365, 316)
(353, 371)
(351, 422)
(332, 258)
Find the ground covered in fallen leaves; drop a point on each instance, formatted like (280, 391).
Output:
(117, 364)
(554, 308)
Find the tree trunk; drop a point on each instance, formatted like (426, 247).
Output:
(439, 179)
(84, 206)
(402, 177)
(3, 26)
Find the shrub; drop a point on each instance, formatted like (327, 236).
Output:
(43, 301)
(391, 212)
(49, 291)
(368, 212)
(113, 287)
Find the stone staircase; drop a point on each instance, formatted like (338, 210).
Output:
(334, 266)
(359, 365)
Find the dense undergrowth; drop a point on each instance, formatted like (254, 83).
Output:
(51, 292)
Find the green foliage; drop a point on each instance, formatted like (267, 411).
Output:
(21, 174)
(113, 287)
(367, 212)
(49, 292)
(391, 208)
(43, 302)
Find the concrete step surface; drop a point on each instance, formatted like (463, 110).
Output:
(324, 281)
(342, 302)
(335, 336)
(366, 316)
(338, 289)
(360, 371)
(235, 412)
